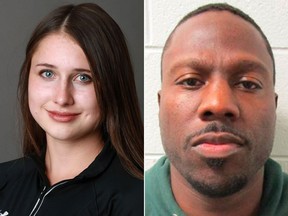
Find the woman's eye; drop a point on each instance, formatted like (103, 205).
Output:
(84, 78)
(248, 85)
(47, 73)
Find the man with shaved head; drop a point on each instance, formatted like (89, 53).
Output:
(217, 114)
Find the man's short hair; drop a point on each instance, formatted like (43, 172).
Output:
(222, 7)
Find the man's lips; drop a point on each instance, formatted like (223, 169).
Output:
(62, 116)
(217, 145)
(217, 139)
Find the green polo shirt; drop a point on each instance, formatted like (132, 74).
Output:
(159, 199)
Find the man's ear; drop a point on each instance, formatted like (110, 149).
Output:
(159, 97)
(276, 99)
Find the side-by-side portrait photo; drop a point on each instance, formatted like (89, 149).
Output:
(143, 108)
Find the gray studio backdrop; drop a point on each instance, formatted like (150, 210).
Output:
(18, 18)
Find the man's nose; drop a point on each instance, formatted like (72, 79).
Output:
(63, 94)
(219, 103)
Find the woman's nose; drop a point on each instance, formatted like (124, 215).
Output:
(63, 94)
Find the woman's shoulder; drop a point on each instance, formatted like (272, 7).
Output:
(120, 191)
(14, 168)
(16, 163)
(108, 171)
(118, 174)
(4, 166)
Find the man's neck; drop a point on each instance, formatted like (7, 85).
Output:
(243, 203)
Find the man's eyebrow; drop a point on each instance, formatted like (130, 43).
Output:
(248, 65)
(197, 64)
(205, 66)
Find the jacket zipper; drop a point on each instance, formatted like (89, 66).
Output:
(41, 198)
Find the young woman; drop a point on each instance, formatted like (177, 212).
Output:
(82, 129)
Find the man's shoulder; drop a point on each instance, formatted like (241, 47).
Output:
(275, 195)
(275, 177)
(274, 172)
(156, 176)
(161, 164)
(159, 199)
(159, 172)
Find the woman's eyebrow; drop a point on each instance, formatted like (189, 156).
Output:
(46, 65)
(82, 70)
(54, 67)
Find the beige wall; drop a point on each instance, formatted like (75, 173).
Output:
(160, 18)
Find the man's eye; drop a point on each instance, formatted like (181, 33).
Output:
(84, 78)
(47, 73)
(191, 82)
(248, 85)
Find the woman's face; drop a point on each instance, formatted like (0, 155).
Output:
(61, 92)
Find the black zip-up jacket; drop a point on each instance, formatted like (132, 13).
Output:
(104, 188)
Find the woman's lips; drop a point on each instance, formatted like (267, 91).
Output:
(62, 116)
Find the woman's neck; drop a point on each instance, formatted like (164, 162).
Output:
(67, 159)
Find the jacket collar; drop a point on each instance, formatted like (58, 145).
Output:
(99, 165)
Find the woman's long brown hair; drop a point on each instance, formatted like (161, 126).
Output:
(104, 45)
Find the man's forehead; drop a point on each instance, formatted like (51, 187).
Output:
(219, 20)
(215, 31)
(213, 26)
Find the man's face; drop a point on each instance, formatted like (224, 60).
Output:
(217, 102)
